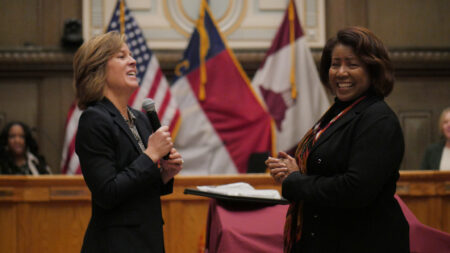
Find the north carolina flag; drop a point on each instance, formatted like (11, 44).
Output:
(289, 84)
(223, 120)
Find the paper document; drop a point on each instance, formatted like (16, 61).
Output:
(240, 189)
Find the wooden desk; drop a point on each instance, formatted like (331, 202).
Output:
(50, 213)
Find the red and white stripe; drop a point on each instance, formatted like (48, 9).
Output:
(155, 86)
(70, 164)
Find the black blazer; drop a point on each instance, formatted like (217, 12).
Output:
(432, 157)
(348, 193)
(125, 183)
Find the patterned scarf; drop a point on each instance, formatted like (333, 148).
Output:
(293, 224)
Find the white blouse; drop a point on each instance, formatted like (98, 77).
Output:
(445, 160)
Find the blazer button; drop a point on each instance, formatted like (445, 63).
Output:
(319, 160)
(313, 234)
(315, 216)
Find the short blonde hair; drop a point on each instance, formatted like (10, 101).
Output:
(89, 66)
(441, 119)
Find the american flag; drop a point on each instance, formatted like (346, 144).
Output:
(153, 84)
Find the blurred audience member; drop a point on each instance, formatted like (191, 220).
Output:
(19, 151)
(437, 155)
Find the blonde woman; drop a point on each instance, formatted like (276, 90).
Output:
(437, 155)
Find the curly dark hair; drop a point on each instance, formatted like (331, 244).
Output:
(370, 50)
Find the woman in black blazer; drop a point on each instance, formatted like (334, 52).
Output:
(118, 152)
(342, 181)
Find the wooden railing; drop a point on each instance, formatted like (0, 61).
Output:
(50, 213)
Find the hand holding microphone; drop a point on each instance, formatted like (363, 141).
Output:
(159, 143)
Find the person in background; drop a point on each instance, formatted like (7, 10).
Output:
(119, 152)
(19, 152)
(342, 181)
(437, 155)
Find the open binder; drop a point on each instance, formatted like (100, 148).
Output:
(240, 192)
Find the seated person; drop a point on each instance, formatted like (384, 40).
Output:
(437, 155)
(19, 151)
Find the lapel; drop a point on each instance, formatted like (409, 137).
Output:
(120, 121)
(345, 119)
(142, 128)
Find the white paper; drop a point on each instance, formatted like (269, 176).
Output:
(240, 189)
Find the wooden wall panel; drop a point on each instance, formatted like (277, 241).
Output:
(55, 97)
(425, 209)
(19, 21)
(19, 99)
(400, 23)
(8, 227)
(189, 227)
(417, 128)
(411, 23)
(445, 219)
(418, 103)
(51, 213)
(35, 22)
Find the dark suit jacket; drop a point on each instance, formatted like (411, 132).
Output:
(432, 157)
(125, 183)
(348, 193)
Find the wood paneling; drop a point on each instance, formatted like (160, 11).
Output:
(411, 23)
(417, 126)
(35, 22)
(418, 103)
(8, 228)
(50, 213)
(18, 99)
(399, 23)
(20, 22)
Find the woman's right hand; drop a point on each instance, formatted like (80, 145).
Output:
(159, 144)
(281, 167)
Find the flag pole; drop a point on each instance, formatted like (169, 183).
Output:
(204, 47)
(292, 42)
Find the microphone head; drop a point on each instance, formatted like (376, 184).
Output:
(148, 104)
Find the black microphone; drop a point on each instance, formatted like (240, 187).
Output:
(149, 106)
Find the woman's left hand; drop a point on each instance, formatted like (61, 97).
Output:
(282, 166)
(172, 166)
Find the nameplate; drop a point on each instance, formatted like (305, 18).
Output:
(6, 193)
(447, 187)
(69, 193)
(402, 189)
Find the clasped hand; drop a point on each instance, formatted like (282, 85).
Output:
(160, 144)
(281, 167)
(172, 166)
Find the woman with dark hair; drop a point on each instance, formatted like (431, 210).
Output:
(342, 181)
(120, 154)
(19, 151)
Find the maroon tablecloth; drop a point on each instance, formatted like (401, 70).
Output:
(422, 238)
(245, 227)
(249, 228)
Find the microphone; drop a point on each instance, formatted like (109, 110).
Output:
(149, 106)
